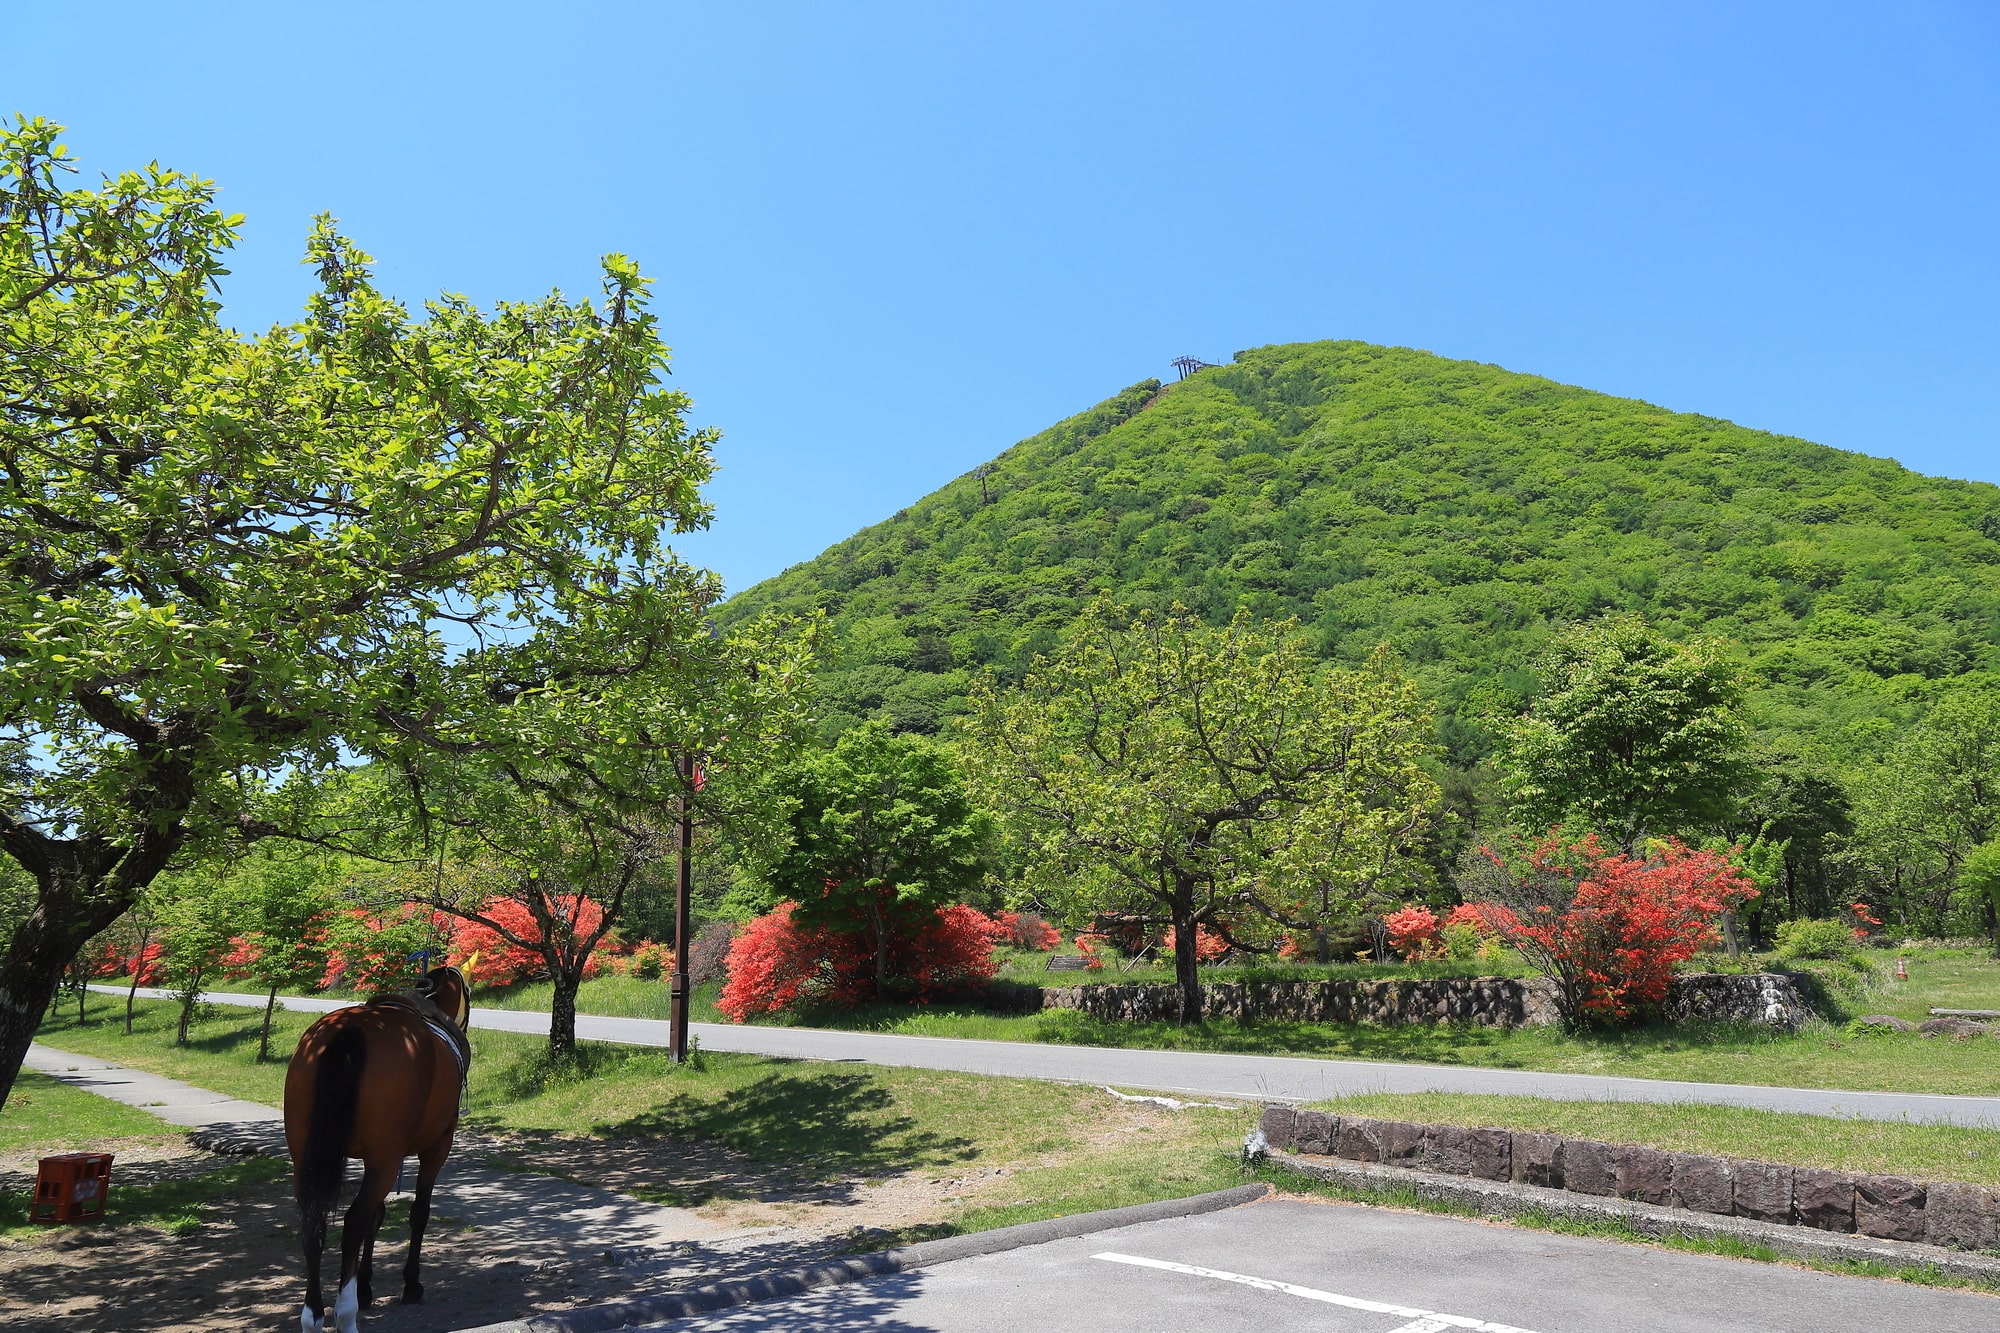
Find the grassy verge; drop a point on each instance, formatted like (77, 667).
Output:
(1925, 1152)
(1614, 1230)
(43, 1116)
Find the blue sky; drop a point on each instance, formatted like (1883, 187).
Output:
(892, 239)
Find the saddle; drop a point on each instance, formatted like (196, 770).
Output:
(442, 1025)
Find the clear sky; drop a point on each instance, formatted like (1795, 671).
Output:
(891, 239)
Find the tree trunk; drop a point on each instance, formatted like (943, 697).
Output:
(138, 966)
(1185, 958)
(879, 919)
(1993, 924)
(82, 988)
(264, 1037)
(31, 970)
(1729, 944)
(190, 996)
(562, 1009)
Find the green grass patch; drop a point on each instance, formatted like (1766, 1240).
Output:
(45, 1116)
(1875, 1147)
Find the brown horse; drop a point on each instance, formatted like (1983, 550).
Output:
(378, 1081)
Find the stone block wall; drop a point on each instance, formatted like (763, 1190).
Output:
(1504, 1002)
(1965, 1217)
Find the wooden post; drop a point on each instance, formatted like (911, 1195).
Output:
(677, 1013)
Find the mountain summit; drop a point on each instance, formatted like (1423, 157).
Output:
(1455, 510)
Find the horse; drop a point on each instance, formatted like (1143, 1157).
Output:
(378, 1081)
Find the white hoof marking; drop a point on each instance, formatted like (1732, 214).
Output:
(347, 1307)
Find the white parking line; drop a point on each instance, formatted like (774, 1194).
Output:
(1421, 1321)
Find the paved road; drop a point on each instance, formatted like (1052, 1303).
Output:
(1250, 1077)
(1291, 1265)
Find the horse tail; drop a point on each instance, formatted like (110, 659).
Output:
(336, 1095)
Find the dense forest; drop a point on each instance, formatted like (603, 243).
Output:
(1457, 511)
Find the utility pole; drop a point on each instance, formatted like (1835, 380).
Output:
(677, 1013)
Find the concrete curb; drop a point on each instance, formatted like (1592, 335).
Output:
(647, 1311)
(1492, 1198)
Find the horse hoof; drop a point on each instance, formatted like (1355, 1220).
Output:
(413, 1294)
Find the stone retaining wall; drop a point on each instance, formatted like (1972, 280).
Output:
(1771, 998)
(1965, 1217)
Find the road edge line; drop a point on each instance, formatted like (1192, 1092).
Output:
(649, 1310)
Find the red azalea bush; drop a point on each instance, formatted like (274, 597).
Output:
(1609, 929)
(113, 961)
(775, 963)
(1208, 946)
(1412, 930)
(1025, 930)
(502, 962)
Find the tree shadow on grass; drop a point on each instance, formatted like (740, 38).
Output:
(829, 1122)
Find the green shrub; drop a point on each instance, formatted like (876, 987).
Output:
(1802, 939)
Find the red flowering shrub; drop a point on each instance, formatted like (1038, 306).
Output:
(1412, 930)
(1208, 946)
(502, 962)
(1865, 923)
(1088, 943)
(1610, 929)
(1025, 930)
(776, 964)
(113, 960)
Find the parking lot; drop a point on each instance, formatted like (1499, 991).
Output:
(1290, 1264)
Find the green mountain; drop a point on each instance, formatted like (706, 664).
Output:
(1456, 510)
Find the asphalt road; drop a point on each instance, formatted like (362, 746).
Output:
(1246, 1077)
(1291, 1265)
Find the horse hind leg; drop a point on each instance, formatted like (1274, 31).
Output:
(429, 1163)
(357, 1233)
(312, 1235)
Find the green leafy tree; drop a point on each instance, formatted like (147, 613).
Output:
(1200, 777)
(881, 829)
(1631, 734)
(1922, 812)
(283, 900)
(1979, 876)
(197, 918)
(368, 533)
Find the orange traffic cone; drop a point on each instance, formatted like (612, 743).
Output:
(1902, 971)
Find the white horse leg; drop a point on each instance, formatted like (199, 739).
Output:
(347, 1307)
(308, 1324)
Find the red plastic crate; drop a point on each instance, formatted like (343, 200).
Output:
(71, 1187)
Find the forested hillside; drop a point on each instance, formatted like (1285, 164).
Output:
(1456, 510)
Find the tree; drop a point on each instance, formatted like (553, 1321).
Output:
(1921, 813)
(1631, 734)
(282, 903)
(882, 832)
(1979, 875)
(195, 919)
(364, 534)
(1197, 776)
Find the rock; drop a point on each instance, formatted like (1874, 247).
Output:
(1358, 1139)
(1964, 1217)
(1888, 1022)
(1588, 1167)
(1484, 1153)
(1762, 1191)
(1889, 1208)
(1952, 1027)
(1702, 1184)
(1314, 1132)
(1536, 1159)
(1276, 1123)
(1644, 1175)
(1402, 1142)
(1823, 1199)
